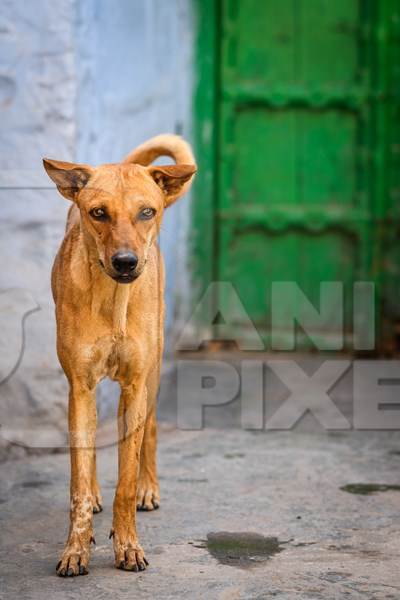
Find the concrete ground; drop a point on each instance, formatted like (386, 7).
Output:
(334, 544)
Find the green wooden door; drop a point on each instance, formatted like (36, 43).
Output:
(305, 135)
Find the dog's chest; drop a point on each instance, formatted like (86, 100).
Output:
(119, 357)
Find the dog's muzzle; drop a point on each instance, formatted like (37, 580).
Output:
(124, 266)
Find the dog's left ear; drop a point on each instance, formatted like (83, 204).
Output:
(69, 178)
(174, 180)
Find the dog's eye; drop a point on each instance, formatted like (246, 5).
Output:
(147, 213)
(99, 214)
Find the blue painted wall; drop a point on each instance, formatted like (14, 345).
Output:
(80, 80)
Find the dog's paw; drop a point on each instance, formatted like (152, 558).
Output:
(147, 497)
(96, 498)
(75, 559)
(97, 504)
(129, 555)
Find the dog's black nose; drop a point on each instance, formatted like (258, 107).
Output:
(124, 262)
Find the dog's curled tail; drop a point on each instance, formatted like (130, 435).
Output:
(165, 144)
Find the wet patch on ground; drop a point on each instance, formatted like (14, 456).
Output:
(193, 455)
(356, 551)
(230, 455)
(192, 480)
(366, 489)
(34, 484)
(242, 549)
(334, 577)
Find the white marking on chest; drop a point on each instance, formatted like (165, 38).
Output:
(120, 309)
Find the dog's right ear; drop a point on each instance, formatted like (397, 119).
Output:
(69, 178)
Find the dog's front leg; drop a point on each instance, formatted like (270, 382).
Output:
(131, 419)
(148, 494)
(82, 429)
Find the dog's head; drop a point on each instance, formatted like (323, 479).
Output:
(121, 208)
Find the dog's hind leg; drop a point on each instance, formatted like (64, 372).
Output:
(96, 493)
(148, 494)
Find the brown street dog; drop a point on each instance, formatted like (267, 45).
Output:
(108, 286)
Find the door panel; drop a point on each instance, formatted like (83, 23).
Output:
(309, 159)
(288, 41)
(294, 201)
(256, 260)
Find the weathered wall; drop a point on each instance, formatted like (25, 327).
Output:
(83, 81)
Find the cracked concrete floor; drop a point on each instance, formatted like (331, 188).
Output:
(283, 484)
